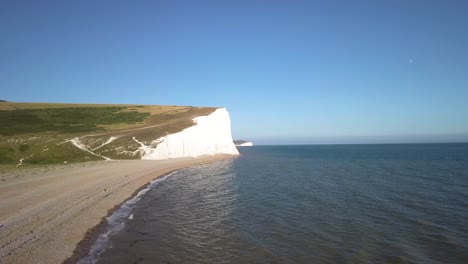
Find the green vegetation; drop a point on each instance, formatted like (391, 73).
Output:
(59, 154)
(5, 155)
(65, 120)
(23, 147)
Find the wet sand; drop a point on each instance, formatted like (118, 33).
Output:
(45, 212)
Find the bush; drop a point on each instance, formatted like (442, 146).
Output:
(23, 147)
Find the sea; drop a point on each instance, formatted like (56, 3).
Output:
(389, 203)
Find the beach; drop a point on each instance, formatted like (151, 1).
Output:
(45, 212)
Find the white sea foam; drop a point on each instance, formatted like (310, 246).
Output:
(116, 223)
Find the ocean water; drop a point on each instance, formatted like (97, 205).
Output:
(396, 203)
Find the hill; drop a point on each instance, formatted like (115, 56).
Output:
(44, 133)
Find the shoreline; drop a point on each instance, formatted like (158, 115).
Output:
(84, 246)
(56, 215)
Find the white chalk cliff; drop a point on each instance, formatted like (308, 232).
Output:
(210, 135)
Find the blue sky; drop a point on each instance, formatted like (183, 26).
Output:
(288, 71)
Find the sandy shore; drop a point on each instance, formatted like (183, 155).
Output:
(47, 211)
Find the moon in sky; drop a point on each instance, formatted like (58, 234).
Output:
(410, 61)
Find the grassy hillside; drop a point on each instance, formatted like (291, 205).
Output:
(42, 133)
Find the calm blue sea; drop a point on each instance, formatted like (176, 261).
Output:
(395, 203)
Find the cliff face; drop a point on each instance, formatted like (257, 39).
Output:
(210, 135)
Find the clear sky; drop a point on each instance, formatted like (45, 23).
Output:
(288, 71)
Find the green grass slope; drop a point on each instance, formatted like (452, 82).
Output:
(41, 133)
